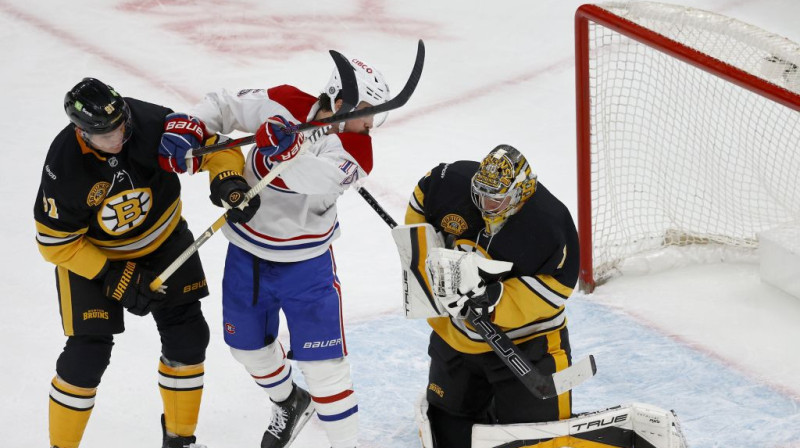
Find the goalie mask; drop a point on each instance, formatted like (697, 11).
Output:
(501, 186)
(372, 88)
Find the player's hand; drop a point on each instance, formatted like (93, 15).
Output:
(228, 190)
(128, 283)
(482, 299)
(276, 144)
(182, 133)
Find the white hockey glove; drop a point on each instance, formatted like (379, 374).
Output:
(457, 280)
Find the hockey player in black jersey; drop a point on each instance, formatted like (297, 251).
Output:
(109, 217)
(498, 209)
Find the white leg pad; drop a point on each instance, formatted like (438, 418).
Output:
(657, 426)
(424, 425)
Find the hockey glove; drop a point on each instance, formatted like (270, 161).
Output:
(481, 300)
(181, 133)
(228, 190)
(129, 284)
(275, 143)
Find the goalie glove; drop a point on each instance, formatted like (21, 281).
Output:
(465, 280)
(482, 299)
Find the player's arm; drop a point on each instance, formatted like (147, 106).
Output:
(529, 299)
(542, 294)
(415, 212)
(225, 112)
(61, 224)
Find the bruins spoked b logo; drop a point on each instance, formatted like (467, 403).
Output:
(125, 211)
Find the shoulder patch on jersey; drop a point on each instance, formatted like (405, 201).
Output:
(454, 224)
(351, 169)
(97, 194)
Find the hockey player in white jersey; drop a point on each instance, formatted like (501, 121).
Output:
(282, 257)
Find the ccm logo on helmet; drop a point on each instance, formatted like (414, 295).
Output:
(366, 67)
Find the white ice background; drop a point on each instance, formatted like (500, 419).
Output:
(711, 342)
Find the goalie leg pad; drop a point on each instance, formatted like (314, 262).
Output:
(622, 426)
(423, 423)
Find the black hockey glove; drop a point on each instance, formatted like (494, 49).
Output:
(228, 190)
(481, 300)
(129, 284)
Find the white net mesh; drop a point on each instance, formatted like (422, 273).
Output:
(678, 155)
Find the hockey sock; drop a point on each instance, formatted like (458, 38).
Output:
(70, 408)
(181, 391)
(269, 369)
(331, 391)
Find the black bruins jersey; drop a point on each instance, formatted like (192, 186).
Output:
(540, 239)
(93, 207)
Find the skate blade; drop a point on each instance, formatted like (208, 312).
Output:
(301, 422)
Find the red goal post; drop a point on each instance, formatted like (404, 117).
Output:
(687, 132)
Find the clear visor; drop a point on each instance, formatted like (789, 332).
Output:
(491, 204)
(109, 141)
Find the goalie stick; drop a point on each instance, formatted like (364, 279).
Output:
(349, 99)
(541, 386)
(392, 104)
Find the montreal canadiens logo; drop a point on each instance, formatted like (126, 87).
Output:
(230, 328)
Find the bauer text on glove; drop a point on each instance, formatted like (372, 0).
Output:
(275, 143)
(182, 133)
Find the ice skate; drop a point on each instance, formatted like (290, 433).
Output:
(288, 419)
(177, 441)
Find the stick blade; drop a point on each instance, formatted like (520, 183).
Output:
(575, 375)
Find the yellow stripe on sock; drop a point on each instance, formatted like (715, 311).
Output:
(67, 424)
(181, 396)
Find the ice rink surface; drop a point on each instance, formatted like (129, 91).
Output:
(711, 342)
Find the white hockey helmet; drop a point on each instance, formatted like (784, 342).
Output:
(372, 88)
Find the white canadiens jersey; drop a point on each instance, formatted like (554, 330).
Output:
(297, 218)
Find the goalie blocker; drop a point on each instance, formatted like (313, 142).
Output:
(635, 425)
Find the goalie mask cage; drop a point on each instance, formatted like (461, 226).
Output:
(688, 132)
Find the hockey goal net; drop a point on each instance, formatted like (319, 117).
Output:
(688, 132)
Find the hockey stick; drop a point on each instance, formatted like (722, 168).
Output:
(377, 207)
(392, 104)
(350, 100)
(541, 386)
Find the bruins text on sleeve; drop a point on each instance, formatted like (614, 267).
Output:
(541, 241)
(92, 207)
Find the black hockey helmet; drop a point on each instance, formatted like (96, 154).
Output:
(95, 107)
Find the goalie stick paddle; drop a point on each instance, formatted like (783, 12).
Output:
(398, 101)
(349, 100)
(541, 386)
